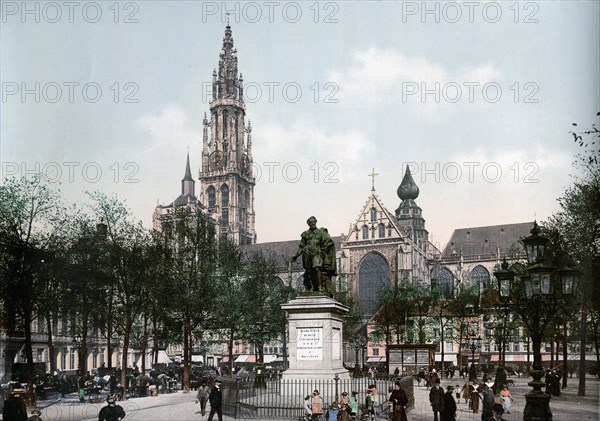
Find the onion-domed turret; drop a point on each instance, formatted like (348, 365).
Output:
(408, 188)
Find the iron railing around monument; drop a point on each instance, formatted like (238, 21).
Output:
(284, 399)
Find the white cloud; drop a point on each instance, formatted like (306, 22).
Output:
(303, 141)
(170, 126)
(387, 77)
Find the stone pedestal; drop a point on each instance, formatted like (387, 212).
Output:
(315, 339)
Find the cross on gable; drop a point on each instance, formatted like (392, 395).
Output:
(372, 175)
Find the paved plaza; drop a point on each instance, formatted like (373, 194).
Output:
(181, 406)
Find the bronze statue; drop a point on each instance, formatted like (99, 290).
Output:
(318, 258)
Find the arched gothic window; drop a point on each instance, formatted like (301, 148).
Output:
(212, 198)
(373, 276)
(480, 276)
(373, 214)
(365, 232)
(381, 231)
(224, 195)
(445, 283)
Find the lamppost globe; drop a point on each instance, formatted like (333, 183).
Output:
(535, 245)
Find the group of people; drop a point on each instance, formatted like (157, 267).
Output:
(214, 395)
(347, 409)
(444, 405)
(552, 379)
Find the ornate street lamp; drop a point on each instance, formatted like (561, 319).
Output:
(475, 344)
(536, 310)
(505, 277)
(77, 341)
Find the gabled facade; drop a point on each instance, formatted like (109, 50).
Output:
(383, 249)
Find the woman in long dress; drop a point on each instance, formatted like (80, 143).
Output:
(475, 398)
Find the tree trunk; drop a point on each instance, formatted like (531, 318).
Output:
(51, 355)
(29, 356)
(565, 365)
(582, 345)
(144, 344)
(84, 337)
(125, 351)
(443, 371)
(187, 340)
(109, 330)
(230, 362)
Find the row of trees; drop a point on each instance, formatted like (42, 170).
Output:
(99, 270)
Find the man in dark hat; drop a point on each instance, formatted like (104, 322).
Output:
(216, 401)
(399, 402)
(112, 411)
(436, 398)
(449, 412)
(14, 408)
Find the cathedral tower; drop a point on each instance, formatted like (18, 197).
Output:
(226, 177)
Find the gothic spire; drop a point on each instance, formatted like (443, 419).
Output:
(188, 183)
(228, 71)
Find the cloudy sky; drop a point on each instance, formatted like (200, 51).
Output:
(477, 97)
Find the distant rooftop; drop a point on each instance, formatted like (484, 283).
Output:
(490, 241)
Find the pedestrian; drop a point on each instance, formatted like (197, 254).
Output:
(475, 397)
(345, 399)
(497, 412)
(215, 398)
(333, 412)
(556, 383)
(307, 408)
(487, 404)
(370, 405)
(436, 399)
(457, 391)
(399, 402)
(354, 404)
(344, 412)
(202, 397)
(449, 411)
(506, 398)
(466, 392)
(14, 408)
(36, 415)
(112, 411)
(316, 405)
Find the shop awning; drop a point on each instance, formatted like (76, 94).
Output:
(447, 358)
(511, 358)
(376, 359)
(163, 358)
(251, 358)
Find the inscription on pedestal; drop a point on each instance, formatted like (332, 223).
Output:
(309, 346)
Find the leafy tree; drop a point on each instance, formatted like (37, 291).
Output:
(578, 228)
(462, 309)
(193, 285)
(127, 247)
(418, 301)
(31, 222)
(389, 321)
